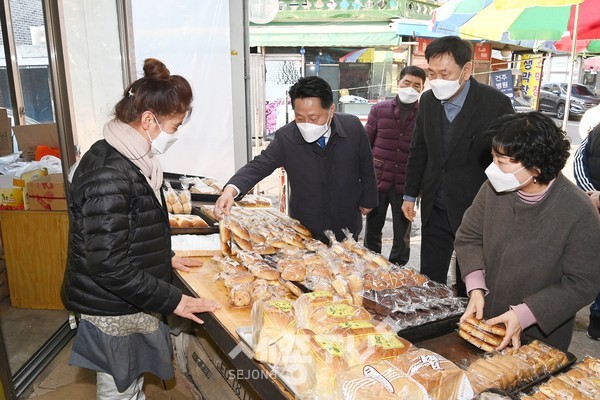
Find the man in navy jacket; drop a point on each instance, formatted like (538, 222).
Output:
(327, 158)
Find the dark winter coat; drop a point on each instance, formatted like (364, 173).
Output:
(119, 256)
(327, 186)
(460, 168)
(390, 138)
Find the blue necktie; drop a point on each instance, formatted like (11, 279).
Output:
(321, 142)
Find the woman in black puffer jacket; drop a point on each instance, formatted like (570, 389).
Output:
(118, 274)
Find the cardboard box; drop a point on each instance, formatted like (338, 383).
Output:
(47, 193)
(214, 377)
(11, 193)
(30, 136)
(6, 141)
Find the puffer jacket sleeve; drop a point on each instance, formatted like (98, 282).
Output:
(106, 227)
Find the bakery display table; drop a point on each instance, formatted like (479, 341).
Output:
(221, 326)
(35, 247)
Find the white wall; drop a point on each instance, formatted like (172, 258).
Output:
(193, 39)
(94, 66)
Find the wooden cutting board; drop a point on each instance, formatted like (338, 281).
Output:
(203, 283)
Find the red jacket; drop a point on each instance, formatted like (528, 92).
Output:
(390, 140)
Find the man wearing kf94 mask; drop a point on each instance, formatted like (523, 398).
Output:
(448, 153)
(328, 161)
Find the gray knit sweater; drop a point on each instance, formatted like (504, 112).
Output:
(546, 255)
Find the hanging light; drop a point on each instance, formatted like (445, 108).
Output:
(263, 11)
(506, 52)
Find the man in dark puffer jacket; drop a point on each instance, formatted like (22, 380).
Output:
(389, 127)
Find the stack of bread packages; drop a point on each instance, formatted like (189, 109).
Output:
(179, 206)
(254, 200)
(204, 186)
(512, 368)
(261, 230)
(248, 278)
(581, 381)
(325, 348)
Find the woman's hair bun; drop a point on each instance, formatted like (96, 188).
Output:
(155, 69)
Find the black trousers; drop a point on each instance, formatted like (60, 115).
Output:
(437, 245)
(400, 252)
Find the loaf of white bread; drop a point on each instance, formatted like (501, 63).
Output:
(273, 330)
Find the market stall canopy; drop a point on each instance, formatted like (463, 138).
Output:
(414, 28)
(314, 35)
(367, 55)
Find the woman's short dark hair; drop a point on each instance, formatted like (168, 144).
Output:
(414, 71)
(312, 86)
(534, 140)
(461, 50)
(157, 91)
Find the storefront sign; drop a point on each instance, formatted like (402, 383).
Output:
(482, 52)
(422, 45)
(503, 81)
(531, 67)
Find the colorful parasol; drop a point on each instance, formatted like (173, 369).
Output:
(535, 22)
(453, 14)
(366, 55)
(582, 46)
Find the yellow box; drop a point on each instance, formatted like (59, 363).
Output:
(13, 190)
(11, 193)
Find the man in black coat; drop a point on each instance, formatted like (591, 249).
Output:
(448, 152)
(327, 158)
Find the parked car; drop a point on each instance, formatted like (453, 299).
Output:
(553, 96)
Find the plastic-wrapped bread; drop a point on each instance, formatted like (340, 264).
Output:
(326, 359)
(476, 341)
(442, 379)
(292, 269)
(260, 290)
(307, 303)
(273, 330)
(557, 389)
(234, 278)
(262, 270)
(333, 313)
(227, 264)
(376, 346)
(240, 296)
(378, 380)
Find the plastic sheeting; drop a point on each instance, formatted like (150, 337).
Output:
(192, 38)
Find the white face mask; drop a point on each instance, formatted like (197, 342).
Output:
(444, 89)
(311, 132)
(163, 141)
(504, 181)
(408, 95)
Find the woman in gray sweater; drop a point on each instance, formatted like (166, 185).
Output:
(529, 245)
